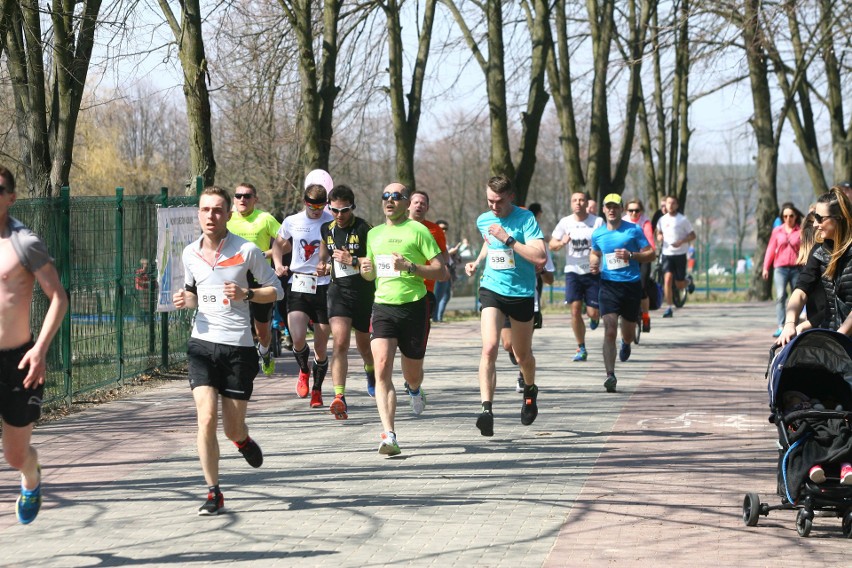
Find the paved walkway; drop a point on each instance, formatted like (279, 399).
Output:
(652, 474)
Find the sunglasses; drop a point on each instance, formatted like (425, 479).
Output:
(243, 195)
(634, 210)
(396, 196)
(342, 209)
(314, 206)
(819, 218)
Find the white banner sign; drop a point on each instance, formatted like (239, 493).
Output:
(177, 227)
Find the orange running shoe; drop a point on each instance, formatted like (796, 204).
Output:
(338, 407)
(316, 398)
(302, 385)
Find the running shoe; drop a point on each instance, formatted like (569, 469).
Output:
(418, 402)
(529, 409)
(520, 386)
(690, 287)
(778, 332)
(213, 505)
(512, 357)
(624, 352)
(267, 363)
(646, 323)
(638, 333)
(316, 398)
(389, 446)
(485, 423)
(581, 354)
(252, 453)
(846, 474)
(302, 384)
(593, 324)
(610, 382)
(406, 387)
(371, 385)
(668, 313)
(338, 407)
(29, 502)
(817, 474)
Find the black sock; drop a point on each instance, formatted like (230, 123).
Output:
(486, 406)
(214, 489)
(320, 369)
(302, 358)
(529, 389)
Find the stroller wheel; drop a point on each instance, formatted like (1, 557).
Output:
(751, 509)
(847, 524)
(803, 523)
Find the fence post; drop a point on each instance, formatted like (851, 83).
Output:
(707, 268)
(199, 185)
(64, 256)
(164, 316)
(119, 284)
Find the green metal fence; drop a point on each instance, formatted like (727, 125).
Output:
(111, 331)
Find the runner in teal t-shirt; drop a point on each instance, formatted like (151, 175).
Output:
(513, 249)
(400, 254)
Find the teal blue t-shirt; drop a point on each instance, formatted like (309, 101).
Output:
(517, 282)
(626, 236)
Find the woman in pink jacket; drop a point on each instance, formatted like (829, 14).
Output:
(781, 254)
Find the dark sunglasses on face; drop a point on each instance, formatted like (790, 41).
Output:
(819, 218)
(396, 196)
(243, 195)
(342, 209)
(634, 210)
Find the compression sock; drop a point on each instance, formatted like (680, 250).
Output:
(339, 389)
(302, 359)
(320, 369)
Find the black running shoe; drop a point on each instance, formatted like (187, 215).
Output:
(214, 504)
(610, 382)
(485, 423)
(512, 357)
(251, 451)
(529, 410)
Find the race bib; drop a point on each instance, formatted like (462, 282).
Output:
(343, 270)
(384, 266)
(501, 259)
(613, 263)
(212, 299)
(304, 283)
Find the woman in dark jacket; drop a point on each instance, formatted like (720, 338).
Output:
(829, 267)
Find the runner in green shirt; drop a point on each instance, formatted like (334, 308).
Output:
(401, 254)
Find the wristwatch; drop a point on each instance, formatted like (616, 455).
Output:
(412, 268)
(249, 294)
(510, 241)
(354, 261)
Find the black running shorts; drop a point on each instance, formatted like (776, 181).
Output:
(676, 264)
(407, 323)
(622, 298)
(315, 305)
(353, 303)
(229, 369)
(18, 406)
(519, 309)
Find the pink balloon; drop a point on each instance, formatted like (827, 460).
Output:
(319, 177)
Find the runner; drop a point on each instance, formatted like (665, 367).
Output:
(306, 290)
(257, 227)
(676, 232)
(222, 357)
(350, 297)
(574, 234)
(401, 254)
(417, 211)
(514, 245)
(623, 247)
(23, 261)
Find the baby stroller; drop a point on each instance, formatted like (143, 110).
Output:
(810, 398)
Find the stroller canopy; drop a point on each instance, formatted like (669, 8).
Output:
(820, 350)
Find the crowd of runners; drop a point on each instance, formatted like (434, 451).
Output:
(329, 273)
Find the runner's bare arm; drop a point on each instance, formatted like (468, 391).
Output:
(36, 357)
(433, 270)
(365, 265)
(280, 247)
(470, 267)
(594, 262)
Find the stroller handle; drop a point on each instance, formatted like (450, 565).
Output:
(822, 414)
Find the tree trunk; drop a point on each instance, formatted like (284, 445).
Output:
(598, 174)
(841, 133)
(495, 81)
(193, 62)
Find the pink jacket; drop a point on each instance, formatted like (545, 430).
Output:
(783, 247)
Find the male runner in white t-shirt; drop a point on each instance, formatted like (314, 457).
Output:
(676, 232)
(574, 234)
(222, 357)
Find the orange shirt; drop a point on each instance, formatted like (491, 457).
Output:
(441, 239)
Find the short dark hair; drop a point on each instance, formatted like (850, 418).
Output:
(9, 178)
(216, 190)
(534, 208)
(342, 192)
(247, 185)
(501, 184)
(419, 192)
(442, 222)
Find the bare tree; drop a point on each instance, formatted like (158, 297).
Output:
(190, 44)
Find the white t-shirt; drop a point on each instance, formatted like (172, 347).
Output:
(674, 229)
(220, 320)
(580, 240)
(548, 267)
(307, 240)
